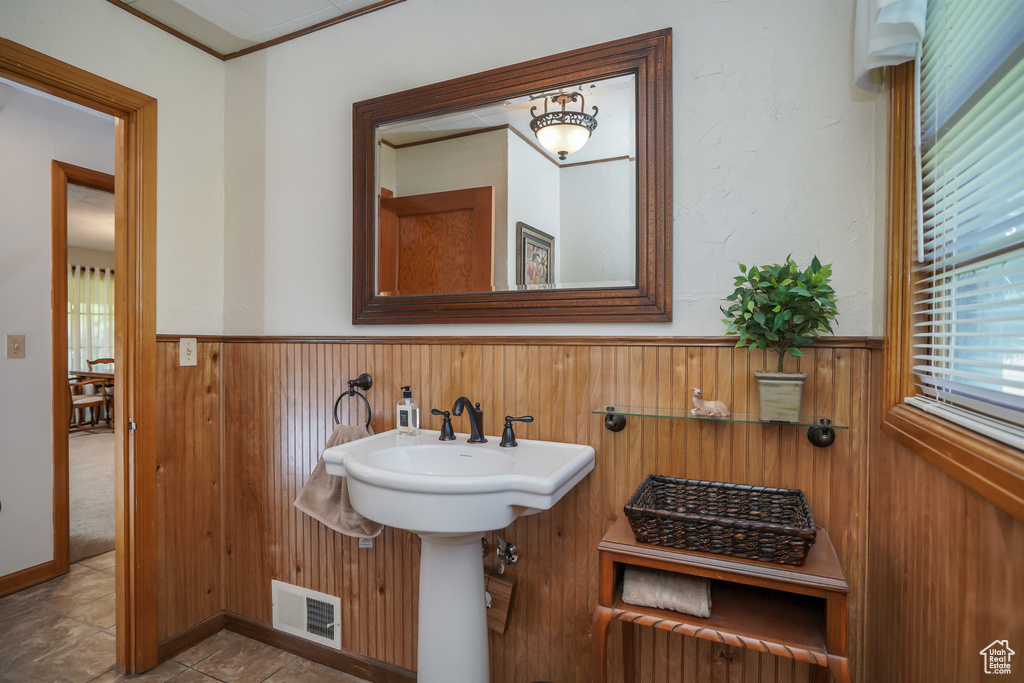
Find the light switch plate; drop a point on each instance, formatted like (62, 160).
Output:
(187, 351)
(15, 346)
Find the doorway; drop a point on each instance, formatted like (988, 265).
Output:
(135, 344)
(83, 222)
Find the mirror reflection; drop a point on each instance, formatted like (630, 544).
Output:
(473, 201)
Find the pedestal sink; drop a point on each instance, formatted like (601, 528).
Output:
(449, 493)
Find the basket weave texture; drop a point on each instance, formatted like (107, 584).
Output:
(752, 522)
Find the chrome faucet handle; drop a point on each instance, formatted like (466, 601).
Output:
(447, 433)
(508, 436)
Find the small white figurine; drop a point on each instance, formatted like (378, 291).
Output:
(702, 408)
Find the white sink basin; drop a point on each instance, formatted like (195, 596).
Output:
(427, 486)
(450, 493)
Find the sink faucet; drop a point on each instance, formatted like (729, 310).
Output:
(476, 418)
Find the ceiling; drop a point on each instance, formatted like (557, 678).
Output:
(90, 218)
(614, 137)
(226, 27)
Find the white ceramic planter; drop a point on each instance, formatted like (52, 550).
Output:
(780, 395)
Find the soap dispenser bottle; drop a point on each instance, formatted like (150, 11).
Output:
(408, 414)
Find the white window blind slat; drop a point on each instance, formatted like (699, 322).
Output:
(969, 418)
(975, 280)
(937, 371)
(975, 127)
(993, 302)
(980, 349)
(967, 335)
(1006, 224)
(997, 412)
(937, 360)
(944, 274)
(992, 192)
(979, 285)
(970, 252)
(976, 321)
(959, 393)
(988, 204)
(964, 44)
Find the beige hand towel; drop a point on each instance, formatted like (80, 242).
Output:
(325, 496)
(667, 590)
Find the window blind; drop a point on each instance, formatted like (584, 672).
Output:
(969, 303)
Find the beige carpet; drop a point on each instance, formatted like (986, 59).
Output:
(91, 474)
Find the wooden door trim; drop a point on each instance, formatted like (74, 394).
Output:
(387, 268)
(61, 175)
(134, 332)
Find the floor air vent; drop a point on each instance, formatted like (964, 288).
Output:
(307, 614)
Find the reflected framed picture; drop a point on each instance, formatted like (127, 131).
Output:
(535, 257)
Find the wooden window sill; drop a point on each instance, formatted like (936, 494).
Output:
(992, 469)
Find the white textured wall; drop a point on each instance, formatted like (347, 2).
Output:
(387, 174)
(33, 132)
(598, 216)
(533, 191)
(774, 149)
(189, 86)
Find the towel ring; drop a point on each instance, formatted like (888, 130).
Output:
(364, 382)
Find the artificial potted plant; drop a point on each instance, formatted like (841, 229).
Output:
(781, 308)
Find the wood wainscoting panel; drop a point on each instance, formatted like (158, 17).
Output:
(275, 417)
(188, 486)
(945, 578)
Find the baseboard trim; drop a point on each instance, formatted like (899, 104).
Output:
(193, 635)
(26, 578)
(342, 660)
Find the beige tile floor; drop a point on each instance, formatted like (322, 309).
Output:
(63, 631)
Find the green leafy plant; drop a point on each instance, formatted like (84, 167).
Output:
(781, 307)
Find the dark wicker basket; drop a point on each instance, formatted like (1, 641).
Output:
(753, 522)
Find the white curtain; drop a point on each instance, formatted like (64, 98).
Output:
(90, 316)
(886, 33)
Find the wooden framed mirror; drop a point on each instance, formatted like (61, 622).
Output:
(409, 230)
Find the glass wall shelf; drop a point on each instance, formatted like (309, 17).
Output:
(820, 430)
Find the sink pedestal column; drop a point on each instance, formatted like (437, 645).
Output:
(452, 644)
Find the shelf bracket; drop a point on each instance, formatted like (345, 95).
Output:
(613, 422)
(822, 435)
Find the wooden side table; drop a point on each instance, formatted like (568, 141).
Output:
(793, 612)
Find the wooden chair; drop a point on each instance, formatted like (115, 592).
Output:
(99, 361)
(108, 387)
(79, 401)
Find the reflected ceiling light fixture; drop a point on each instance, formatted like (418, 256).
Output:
(563, 131)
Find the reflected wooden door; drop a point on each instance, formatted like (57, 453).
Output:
(437, 243)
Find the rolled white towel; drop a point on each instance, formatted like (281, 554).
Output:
(667, 590)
